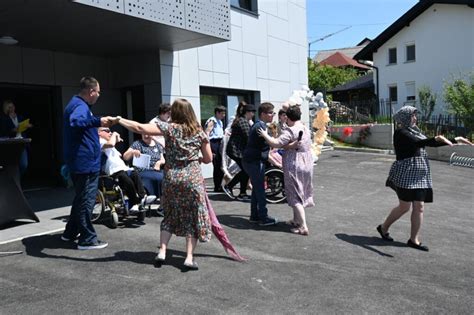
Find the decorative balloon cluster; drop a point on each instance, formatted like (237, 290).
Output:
(319, 109)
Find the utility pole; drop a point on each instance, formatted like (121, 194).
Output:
(324, 37)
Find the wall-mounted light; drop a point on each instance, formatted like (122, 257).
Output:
(8, 40)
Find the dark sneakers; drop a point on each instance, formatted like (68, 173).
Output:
(385, 236)
(228, 191)
(417, 246)
(243, 197)
(96, 245)
(254, 220)
(268, 221)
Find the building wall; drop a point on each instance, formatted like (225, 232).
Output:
(267, 53)
(444, 40)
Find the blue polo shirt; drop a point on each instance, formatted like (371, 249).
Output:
(81, 139)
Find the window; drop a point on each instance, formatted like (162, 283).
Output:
(392, 93)
(392, 56)
(212, 97)
(410, 87)
(410, 51)
(247, 5)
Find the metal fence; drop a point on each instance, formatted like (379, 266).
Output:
(448, 125)
(361, 112)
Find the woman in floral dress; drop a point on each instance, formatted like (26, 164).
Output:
(297, 167)
(184, 196)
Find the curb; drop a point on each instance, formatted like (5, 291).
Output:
(364, 150)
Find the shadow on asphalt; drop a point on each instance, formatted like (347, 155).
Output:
(368, 241)
(37, 246)
(242, 223)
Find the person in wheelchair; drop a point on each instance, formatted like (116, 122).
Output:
(128, 178)
(152, 174)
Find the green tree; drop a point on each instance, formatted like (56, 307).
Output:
(323, 77)
(427, 100)
(459, 94)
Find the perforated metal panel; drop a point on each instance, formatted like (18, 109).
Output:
(170, 12)
(111, 5)
(209, 17)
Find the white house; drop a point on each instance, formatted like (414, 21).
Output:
(430, 43)
(211, 52)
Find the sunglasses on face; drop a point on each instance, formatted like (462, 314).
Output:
(106, 130)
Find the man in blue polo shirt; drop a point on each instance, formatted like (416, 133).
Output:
(254, 160)
(82, 155)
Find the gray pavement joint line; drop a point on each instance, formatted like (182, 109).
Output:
(31, 235)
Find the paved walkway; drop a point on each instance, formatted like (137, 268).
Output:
(341, 267)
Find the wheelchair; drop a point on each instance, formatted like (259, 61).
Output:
(111, 204)
(274, 185)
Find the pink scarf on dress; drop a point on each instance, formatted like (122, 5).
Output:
(220, 233)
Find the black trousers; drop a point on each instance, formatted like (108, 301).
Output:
(241, 177)
(132, 186)
(217, 173)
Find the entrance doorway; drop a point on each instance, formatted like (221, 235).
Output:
(38, 104)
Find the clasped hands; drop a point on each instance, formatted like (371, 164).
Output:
(459, 140)
(109, 121)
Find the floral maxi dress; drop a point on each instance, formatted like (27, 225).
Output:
(183, 198)
(298, 167)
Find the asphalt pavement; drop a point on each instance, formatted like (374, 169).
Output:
(341, 267)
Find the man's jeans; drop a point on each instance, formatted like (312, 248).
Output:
(256, 172)
(86, 186)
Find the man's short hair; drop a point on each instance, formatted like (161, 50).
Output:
(219, 109)
(265, 107)
(164, 108)
(88, 83)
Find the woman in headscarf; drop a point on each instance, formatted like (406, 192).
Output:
(410, 175)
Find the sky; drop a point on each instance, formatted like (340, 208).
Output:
(367, 18)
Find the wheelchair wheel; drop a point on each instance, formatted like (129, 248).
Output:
(114, 219)
(99, 207)
(274, 185)
(141, 216)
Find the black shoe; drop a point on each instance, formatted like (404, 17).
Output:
(228, 191)
(192, 266)
(418, 246)
(218, 189)
(97, 245)
(385, 236)
(243, 197)
(268, 221)
(254, 220)
(160, 212)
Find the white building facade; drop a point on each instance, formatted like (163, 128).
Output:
(430, 44)
(211, 52)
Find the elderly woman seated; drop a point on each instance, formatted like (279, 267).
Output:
(151, 174)
(129, 180)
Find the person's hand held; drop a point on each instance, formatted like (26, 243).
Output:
(136, 153)
(113, 120)
(463, 140)
(443, 139)
(105, 121)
